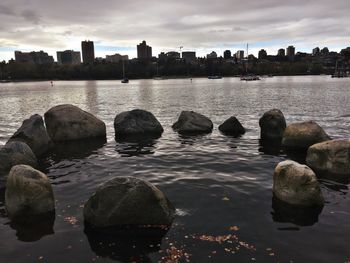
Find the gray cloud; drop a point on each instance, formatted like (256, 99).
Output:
(167, 24)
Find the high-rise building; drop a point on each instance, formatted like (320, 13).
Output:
(68, 57)
(144, 51)
(40, 57)
(262, 54)
(189, 56)
(290, 53)
(325, 50)
(240, 54)
(227, 54)
(88, 51)
(281, 52)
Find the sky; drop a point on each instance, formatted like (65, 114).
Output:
(203, 26)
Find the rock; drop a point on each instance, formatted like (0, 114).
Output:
(128, 201)
(190, 122)
(296, 184)
(28, 192)
(272, 125)
(14, 153)
(232, 126)
(302, 135)
(67, 122)
(34, 134)
(330, 157)
(137, 122)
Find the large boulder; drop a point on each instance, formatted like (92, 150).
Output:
(34, 134)
(14, 153)
(190, 122)
(272, 125)
(67, 122)
(28, 193)
(128, 201)
(137, 122)
(232, 126)
(330, 157)
(302, 135)
(296, 184)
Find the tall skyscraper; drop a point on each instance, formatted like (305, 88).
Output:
(281, 52)
(240, 54)
(189, 56)
(291, 53)
(68, 57)
(144, 51)
(87, 48)
(262, 54)
(227, 54)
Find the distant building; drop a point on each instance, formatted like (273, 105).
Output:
(189, 56)
(345, 52)
(262, 54)
(144, 51)
(316, 51)
(227, 54)
(40, 57)
(240, 54)
(290, 53)
(281, 52)
(68, 57)
(88, 51)
(116, 58)
(212, 55)
(173, 55)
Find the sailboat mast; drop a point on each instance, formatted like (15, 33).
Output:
(123, 69)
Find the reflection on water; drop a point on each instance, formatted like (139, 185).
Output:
(33, 228)
(136, 145)
(271, 147)
(300, 216)
(125, 245)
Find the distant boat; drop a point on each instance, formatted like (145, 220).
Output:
(249, 77)
(125, 79)
(214, 77)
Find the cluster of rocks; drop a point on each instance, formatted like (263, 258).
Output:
(294, 183)
(131, 201)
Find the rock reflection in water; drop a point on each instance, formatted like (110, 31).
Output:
(136, 145)
(300, 216)
(33, 228)
(270, 147)
(78, 149)
(129, 244)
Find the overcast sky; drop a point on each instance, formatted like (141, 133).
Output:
(202, 25)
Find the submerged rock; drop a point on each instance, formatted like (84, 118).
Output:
(190, 122)
(128, 201)
(232, 126)
(34, 134)
(302, 135)
(28, 192)
(14, 153)
(137, 122)
(330, 157)
(67, 122)
(296, 184)
(272, 125)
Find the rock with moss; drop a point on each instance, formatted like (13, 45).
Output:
(34, 134)
(14, 153)
(330, 157)
(67, 122)
(28, 193)
(272, 125)
(300, 136)
(128, 201)
(191, 122)
(297, 185)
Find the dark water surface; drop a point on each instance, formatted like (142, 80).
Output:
(221, 186)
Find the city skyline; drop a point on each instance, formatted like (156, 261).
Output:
(117, 27)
